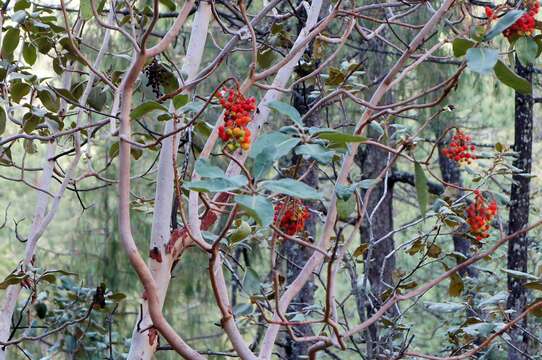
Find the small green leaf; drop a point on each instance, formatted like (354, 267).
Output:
(29, 53)
(10, 42)
(263, 163)
(97, 98)
(204, 168)
(116, 297)
(316, 152)
(49, 99)
(504, 23)
(526, 50)
(338, 137)
(360, 250)
(281, 143)
(258, 207)
(265, 57)
(422, 189)
(461, 45)
(535, 285)
(86, 9)
(216, 184)
(444, 307)
(456, 285)
(345, 208)
(146, 108)
(287, 110)
(520, 274)
(511, 79)
(482, 60)
(18, 90)
(292, 188)
(180, 100)
(170, 4)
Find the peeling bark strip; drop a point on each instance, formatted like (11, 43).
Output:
(519, 212)
(161, 235)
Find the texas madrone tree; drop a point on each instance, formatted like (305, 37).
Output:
(310, 166)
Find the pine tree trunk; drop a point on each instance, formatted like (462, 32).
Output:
(519, 212)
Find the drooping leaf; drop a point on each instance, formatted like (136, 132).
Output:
(526, 50)
(29, 53)
(97, 98)
(49, 99)
(461, 45)
(520, 274)
(294, 188)
(448, 307)
(287, 110)
(180, 100)
(258, 207)
(511, 79)
(146, 108)
(204, 168)
(265, 57)
(345, 208)
(456, 285)
(85, 9)
(281, 143)
(504, 23)
(10, 41)
(217, 184)
(316, 152)
(338, 137)
(263, 163)
(482, 60)
(422, 189)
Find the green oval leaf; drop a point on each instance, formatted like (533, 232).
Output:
(292, 188)
(526, 50)
(482, 60)
(145, 108)
(422, 189)
(10, 42)
(258, 207)
(511, 79)
(287, 110)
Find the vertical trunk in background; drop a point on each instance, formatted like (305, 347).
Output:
(295, 254)
(379, 269)
(519, 211)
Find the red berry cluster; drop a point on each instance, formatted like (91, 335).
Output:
(479, 215)
(460, 148)
(293, 215)
(489, 13)
(237, 109)
(525, 25)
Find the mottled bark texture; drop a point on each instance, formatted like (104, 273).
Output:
(380, 261)
(295, 254)
(380, 265)
(519, 212)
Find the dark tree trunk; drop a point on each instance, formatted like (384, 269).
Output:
(379, 263)
(295, 254)
(519, 211)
